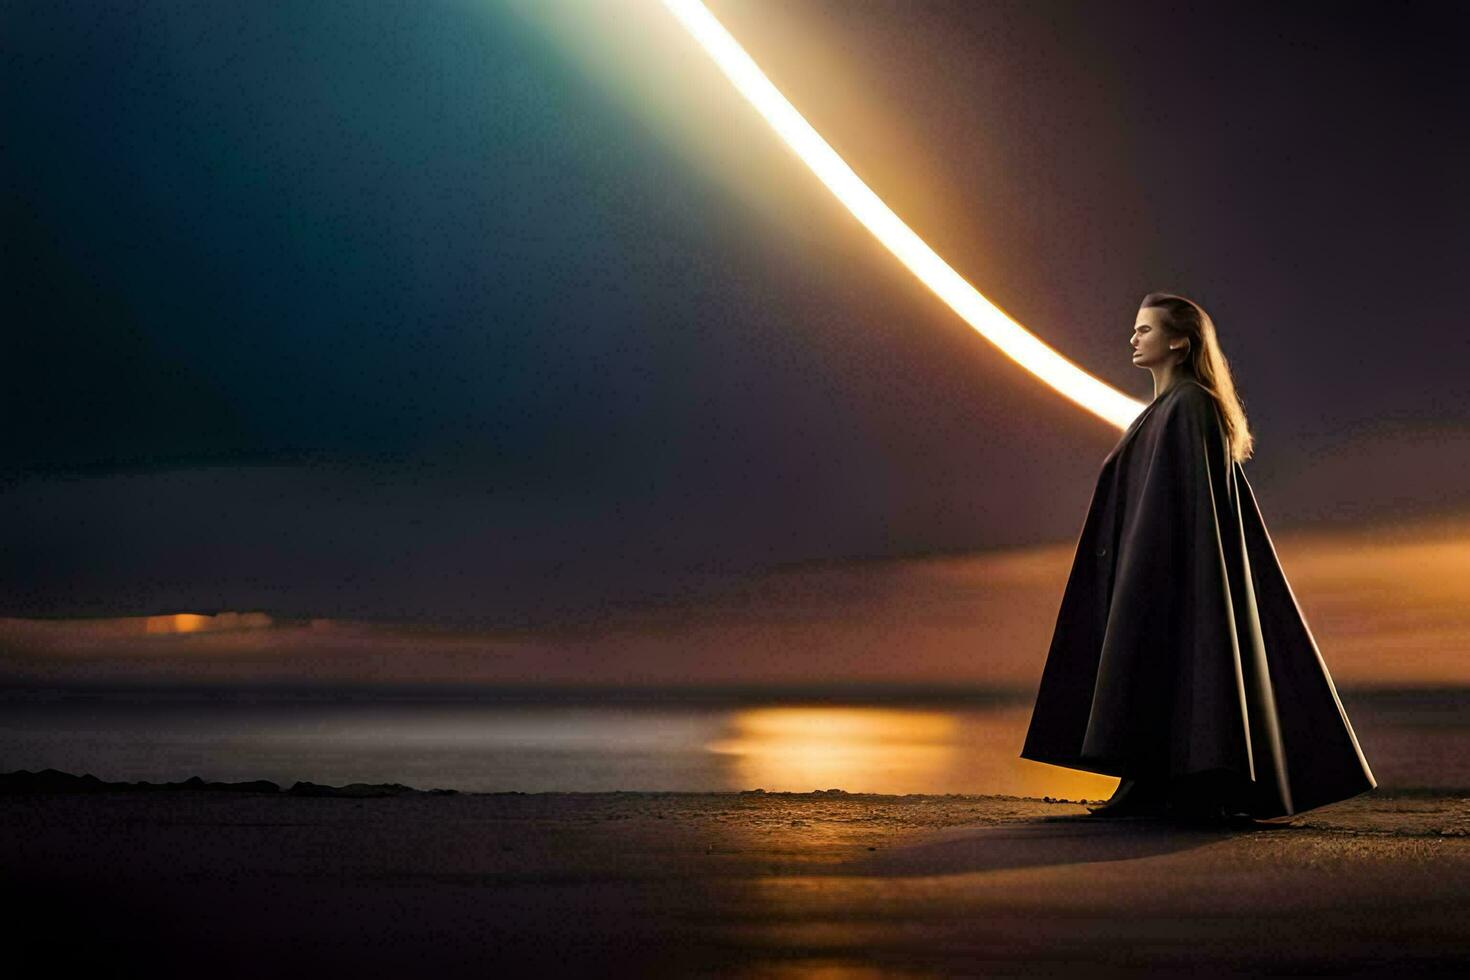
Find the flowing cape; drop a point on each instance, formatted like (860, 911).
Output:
(1179, 647)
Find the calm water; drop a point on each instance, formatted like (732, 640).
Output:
(1411, 739)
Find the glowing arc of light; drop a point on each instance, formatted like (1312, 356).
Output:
(1014, 340)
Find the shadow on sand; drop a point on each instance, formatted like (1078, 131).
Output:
(1046, 841)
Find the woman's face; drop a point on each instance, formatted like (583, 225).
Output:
(1151, 339)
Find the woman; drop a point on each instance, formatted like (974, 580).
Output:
(1181, 661)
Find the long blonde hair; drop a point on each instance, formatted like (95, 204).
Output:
(1206, 363)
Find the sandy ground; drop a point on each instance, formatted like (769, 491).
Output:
(821, 885)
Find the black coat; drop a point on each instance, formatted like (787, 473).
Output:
(1179, 647)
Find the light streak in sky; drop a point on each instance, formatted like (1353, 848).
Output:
(1014, 340)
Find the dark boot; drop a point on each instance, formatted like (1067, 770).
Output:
(1204, 798)
(1134, 798)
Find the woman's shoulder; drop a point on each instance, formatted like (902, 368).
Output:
(1189, 388)
(1189, 400)
(1189, 392)
(1192, 414)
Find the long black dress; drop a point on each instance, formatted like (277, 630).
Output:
(1179, 648)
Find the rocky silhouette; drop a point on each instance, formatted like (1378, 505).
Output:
(55, 781)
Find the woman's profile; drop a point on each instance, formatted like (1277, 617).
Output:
(1181, 661)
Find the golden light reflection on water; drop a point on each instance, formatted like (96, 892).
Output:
(857, 749)
(892, 750)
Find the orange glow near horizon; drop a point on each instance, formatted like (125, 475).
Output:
(1015, 341)
(1388, 604)
(198, 623)
(176, 623)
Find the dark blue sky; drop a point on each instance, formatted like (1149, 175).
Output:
(406, 310)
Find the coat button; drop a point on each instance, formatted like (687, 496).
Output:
(1102, 551)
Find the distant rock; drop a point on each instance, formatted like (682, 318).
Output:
(51, 781)
(56, 781)
(352, 789)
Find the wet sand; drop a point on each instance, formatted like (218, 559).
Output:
(239, 884)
